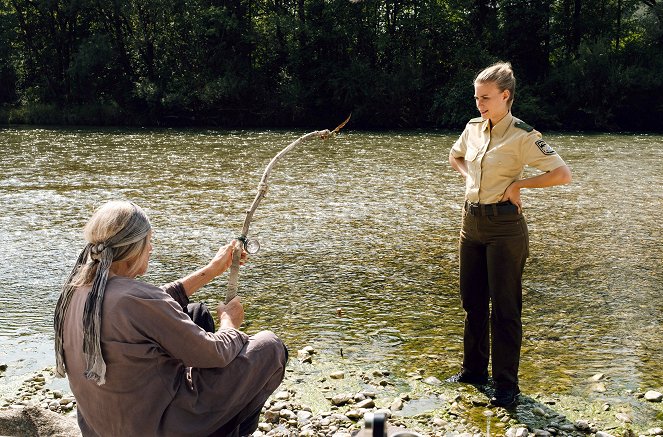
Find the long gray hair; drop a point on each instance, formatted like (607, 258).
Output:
(117, 231)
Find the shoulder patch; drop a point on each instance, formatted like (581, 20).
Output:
(476, 120)
(545, 147)
(524, 126)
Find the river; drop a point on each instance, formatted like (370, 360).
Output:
(359, 244)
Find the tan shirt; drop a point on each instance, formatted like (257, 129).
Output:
(496, 158)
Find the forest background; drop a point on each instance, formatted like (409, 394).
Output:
(395, 64)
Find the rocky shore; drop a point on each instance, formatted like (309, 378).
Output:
(324, 397)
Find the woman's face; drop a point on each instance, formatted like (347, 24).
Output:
(491, 102)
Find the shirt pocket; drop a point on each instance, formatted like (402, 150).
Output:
(472, 153)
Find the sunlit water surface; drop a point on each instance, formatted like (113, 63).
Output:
(359, 243)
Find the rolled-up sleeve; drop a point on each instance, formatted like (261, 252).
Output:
(537, 153)
(459, 148)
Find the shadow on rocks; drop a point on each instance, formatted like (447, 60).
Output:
(38, 422)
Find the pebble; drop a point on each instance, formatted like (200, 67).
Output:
(597, 377)
(397, 405)
(599, 387)
(431, 380)
(3, 367)
(282, 396)
(603, 434)
(304, 417)
(622, 417)
(366, 403)
(337, 375)
(581, 425)
(653, 396)
(341, 399)
(655, 431)
(538, 411)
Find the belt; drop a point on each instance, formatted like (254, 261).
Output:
(501, 208)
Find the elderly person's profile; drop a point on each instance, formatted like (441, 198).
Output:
(141, 359)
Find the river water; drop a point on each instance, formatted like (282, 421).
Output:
(359, 244)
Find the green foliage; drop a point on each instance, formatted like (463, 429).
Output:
(581, 64)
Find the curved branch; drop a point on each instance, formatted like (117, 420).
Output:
(262, 191)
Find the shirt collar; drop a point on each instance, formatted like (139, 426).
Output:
(500, 128)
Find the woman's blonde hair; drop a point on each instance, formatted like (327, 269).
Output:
(501, 74)
(118, 231)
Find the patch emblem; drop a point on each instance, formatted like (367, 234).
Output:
(545, 147)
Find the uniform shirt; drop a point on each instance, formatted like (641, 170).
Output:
(496, 158)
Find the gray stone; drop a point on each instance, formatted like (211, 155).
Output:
(431, 380)
(340, 417)
(622, 417)
(397, 405)
(385, 411)
(581, 425)
(655, 431)
(366, 403)
(282, 396)
(538, 411)
(287, 414)
(271, 416)
(597, 377)
(603, 434)
(337, 375)
(599, 387)
(304, 416)
(354, 414)
(341, 399)
(521, 432)
(653, 396)
(278, 406)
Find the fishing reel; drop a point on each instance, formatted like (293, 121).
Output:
(251, 246)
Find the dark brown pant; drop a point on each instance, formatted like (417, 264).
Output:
(493, 250)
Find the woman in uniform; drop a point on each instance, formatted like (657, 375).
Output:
(491, 154)
(140, 359)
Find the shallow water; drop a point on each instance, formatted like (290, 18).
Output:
(366, 224)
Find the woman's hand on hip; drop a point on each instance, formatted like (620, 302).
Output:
(512, 194)
(231, 315)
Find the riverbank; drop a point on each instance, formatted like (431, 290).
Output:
(322, 396)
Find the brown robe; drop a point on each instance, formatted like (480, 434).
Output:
(165, 375)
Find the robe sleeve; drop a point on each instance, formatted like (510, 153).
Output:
(176, 291)
(159, 319)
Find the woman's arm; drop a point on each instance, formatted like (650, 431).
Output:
(459, 165)
(219, 264)
(559, 176)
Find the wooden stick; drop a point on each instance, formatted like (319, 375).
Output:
(262, 191)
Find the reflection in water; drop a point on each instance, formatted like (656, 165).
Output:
(367, 223)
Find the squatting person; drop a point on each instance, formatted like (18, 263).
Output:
(142, 360)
